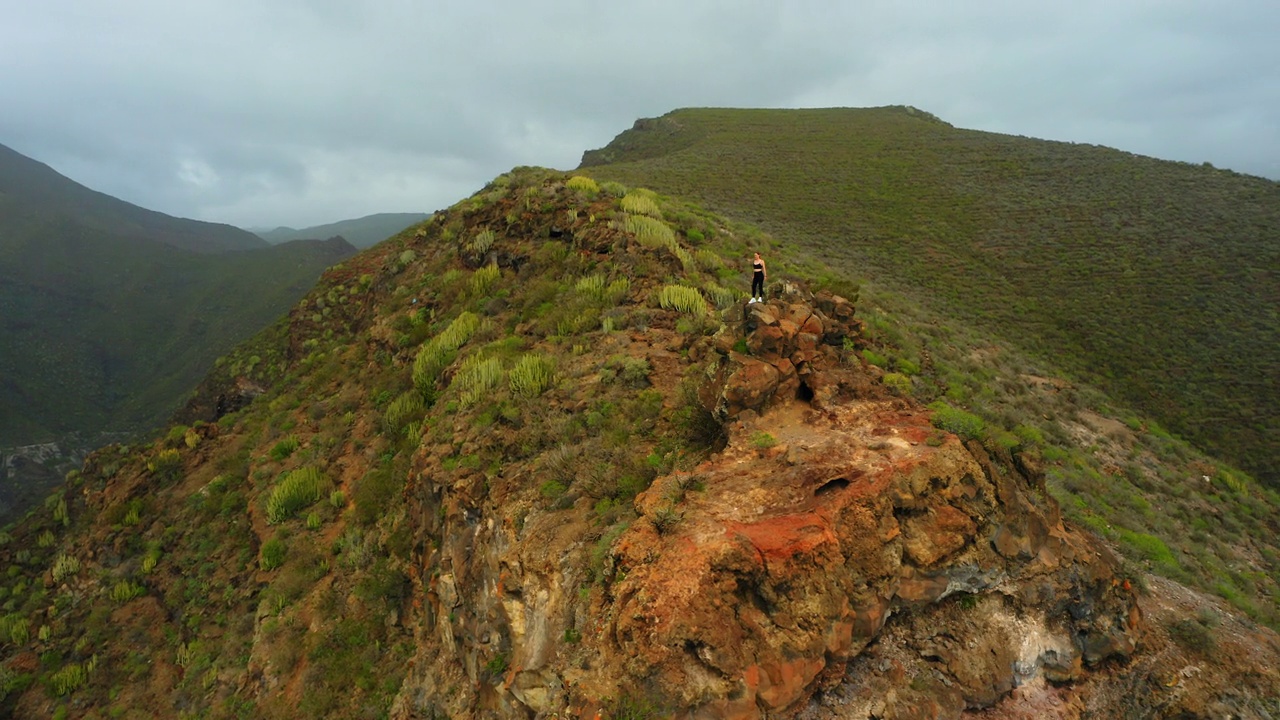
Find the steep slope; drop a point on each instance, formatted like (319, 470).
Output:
(37, 201)
(362, 232)
(1155, 280)
(110, 334)
(111, 313)
(533, 458)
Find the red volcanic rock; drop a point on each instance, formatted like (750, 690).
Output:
(751, 386)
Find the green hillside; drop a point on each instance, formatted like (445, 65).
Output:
(1155, 280)
(362, 232)
(462, 444)
(111, 313)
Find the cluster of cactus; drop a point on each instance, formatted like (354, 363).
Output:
(404, 409)
(438, 353)
(583, 184)
(164, 461)
(477, 376)
(125, 591)
(719, 296)
(297, 490)
(650, 232)
(481, 243)
(15, 628)
(641, 202)
(64, 567)
(595, 289)
(69, 678)
(483, 279)
(682, 298)
(531, 375)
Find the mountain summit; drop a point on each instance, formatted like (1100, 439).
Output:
(537, 457)
(1151, 279)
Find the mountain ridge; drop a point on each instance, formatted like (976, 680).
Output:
(537, 455)
(361, 232)
(32, 188)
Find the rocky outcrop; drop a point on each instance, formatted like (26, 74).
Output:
(791, 561)
(752, 583)
(791, 348)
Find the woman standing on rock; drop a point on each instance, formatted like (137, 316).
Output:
(757, 279)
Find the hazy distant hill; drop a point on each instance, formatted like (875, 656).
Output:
(36, 198)
(109, 313)
(1158, 280)
(362, 232)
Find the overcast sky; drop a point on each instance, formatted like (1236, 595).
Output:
(301, 112)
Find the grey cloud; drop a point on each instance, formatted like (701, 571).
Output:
(306, 111)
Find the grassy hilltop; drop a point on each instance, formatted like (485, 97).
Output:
(1155, 280)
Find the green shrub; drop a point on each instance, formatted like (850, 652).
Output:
(666, 519)
(483, 279)
(297, 490)
(477, 376)
(65, 566)
(125, 591)
(552, 489)
(15, 628)
(683, 299)
(613, 188)
(593, 288)
(1150, 547)
(531, 375)
(481, 243)
(404, 409)
(164, 462)
(954, 420)
(150, 560)
(272, 554)
(284, 448)
(374, 493)
(583, 184)
(632, 372)
(897, 382)
(1192, 635)
(650, 232)
(709, 260)
(874, 358)
(763, 441)
(438, 353)
(641, 202)
(719, 296)
(68, 679)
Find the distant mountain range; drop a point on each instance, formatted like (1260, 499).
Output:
(110, 313)
(361, 232)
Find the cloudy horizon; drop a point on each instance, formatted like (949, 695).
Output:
(304, 112)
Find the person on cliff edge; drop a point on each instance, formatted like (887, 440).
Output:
(758, 277)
